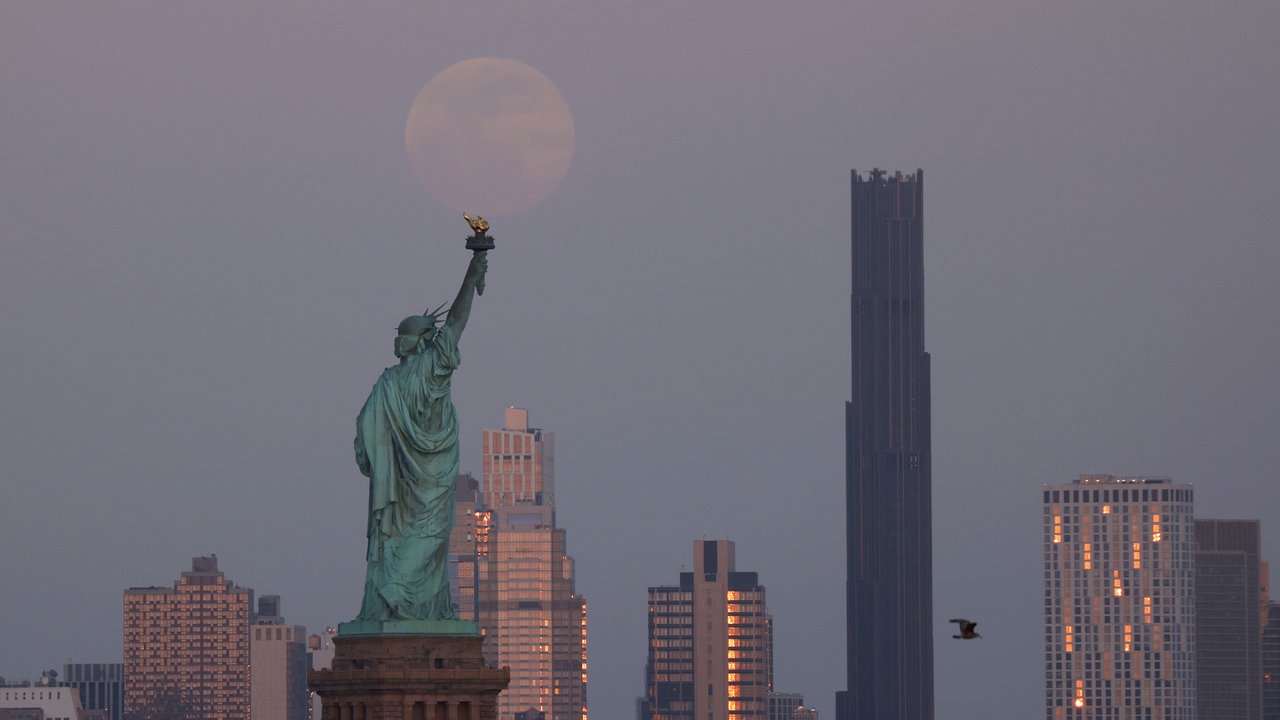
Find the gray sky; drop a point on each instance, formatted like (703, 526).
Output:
(209, 229)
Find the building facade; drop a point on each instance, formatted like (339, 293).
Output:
(1271, 663)
(782, 705)
(468, 545)
(1229, 609)
(889, 604)
(278, 662)
(320, 653)
(40, 702)
(790, 706)
(186, 648)
(710, 643)
(101, 687)
(533, 620)
(1119, 599)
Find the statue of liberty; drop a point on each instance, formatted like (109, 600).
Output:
(407, 445)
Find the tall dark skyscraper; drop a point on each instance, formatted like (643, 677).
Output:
(889, 558)
(1229, 620)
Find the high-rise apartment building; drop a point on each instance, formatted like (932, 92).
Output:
(279, 663)
(710, 643)
(889, 586)
(1119, 599)
(1229, 610)
(101, 687)
(186, 647)
(526, 605)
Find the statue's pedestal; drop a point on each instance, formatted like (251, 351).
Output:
(409, 677)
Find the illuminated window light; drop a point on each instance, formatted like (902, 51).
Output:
(1106, 509)
(1079, 702)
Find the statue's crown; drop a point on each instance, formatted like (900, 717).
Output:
(420, 324)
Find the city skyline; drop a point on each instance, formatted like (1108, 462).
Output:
(211, 227)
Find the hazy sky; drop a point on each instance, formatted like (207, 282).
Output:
(209, 229)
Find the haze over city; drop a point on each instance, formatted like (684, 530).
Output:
(211, 228)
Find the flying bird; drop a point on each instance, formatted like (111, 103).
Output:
(966, 629)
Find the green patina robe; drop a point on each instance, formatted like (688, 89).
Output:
(407, 445)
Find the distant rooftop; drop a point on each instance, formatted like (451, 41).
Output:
(1113, 480)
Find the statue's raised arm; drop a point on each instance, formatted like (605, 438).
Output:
(480, 243)
(472, 283)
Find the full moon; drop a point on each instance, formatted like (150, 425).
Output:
(489, 136)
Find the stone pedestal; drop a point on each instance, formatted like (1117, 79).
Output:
(409, 677)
